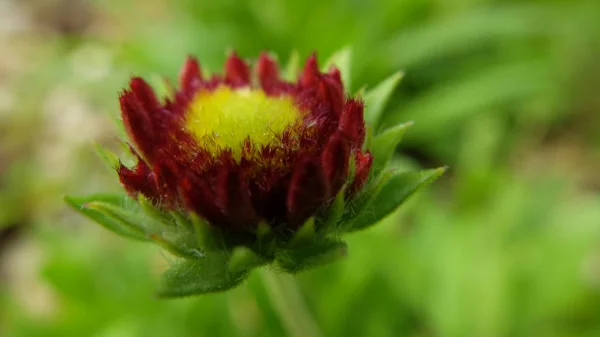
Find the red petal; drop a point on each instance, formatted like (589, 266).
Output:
(138, 123)
(334, 72)
(307, 192)
(352, 123)
(139, 180)
(332, 92)
(233, 198)
(363, 166)
(311, 74)
(190, 77)
(335, 160)
(200, 198)
(145, 95)
(237, 73)
(268, 73)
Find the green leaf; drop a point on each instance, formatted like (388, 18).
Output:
(342, 59)
(394, 192)
(384, 144)
(376, 99)
(358, 203)
(194, 277)
(133, 218)
(314, 255)
(244, 259)
(82, 205)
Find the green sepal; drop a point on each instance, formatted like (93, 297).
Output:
(81, 205)
(342, 59)
(376, 99)
(310, 256)
(208, 274)
(356, 205)
(244, 259)
(304, 234)
(206, 237)
(109, 158)
(151, 211)
(393, 193)
(330, 220)
(383, 146)
(176, 247)
(181, 221)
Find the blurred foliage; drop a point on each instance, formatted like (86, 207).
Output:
(504, 92)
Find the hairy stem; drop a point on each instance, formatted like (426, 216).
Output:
(289, 305)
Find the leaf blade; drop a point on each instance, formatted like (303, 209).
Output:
(393, 194)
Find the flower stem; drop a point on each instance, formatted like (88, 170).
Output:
(289, 305)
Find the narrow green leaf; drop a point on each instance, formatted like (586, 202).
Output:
(384, 144)
(376, 99)
(81, 205)
(194, 277)
(109, 158)
(307, 257)
(207, 237)
(394, 192)
(243, 259)
(135, 219)
(342, 59)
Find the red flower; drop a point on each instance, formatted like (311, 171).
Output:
(237, 151)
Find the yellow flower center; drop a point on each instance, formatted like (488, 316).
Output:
(225, 117)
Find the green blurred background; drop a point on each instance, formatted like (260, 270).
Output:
(504, 92)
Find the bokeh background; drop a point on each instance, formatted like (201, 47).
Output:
(507, 93)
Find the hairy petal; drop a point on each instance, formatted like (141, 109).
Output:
(237, 73)
(311, 74)
(268, 73)
(335, 160)
(138, 124)
(190, 78)
(352, 123)
(139, 180)
(233, 198)
(363, 166)
(308, 190)
(200, 198)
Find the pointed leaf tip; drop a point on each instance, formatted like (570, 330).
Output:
(395, 191)
(377, 98)
(384, 145)
(86, 206)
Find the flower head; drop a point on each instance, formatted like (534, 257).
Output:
(246, 147)
(243, 169)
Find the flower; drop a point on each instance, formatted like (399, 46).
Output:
(245, 169)
(237, 153)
